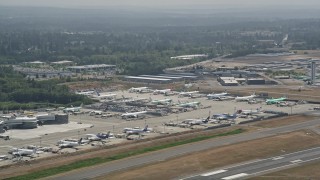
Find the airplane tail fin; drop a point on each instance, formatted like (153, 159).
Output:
(80, 140)
(98, 94)
(81, 104)
(234, 115)
(207, 120)
(146, 128)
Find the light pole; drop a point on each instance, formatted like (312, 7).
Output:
(177, 119)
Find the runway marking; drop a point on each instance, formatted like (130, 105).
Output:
(214, 172)
(277, 158)
(312, 159)
(249, 162)
(296, 161)
(301, 151)
(235, 176)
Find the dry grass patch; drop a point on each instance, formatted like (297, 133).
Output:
(307, 171)
(283, 121)
(223, 156)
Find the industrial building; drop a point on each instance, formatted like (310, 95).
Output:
(92, 68)
(147, 79)
(188, 57)
(235, 73)
(30, 122)
(64, 62)
(256, 81)
(161, 78)
(229, 82)
(232, 81)
(44, 73)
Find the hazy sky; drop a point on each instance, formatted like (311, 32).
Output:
(160, 3)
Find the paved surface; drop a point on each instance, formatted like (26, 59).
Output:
(163, 155)
(261, 166)
(43, 137)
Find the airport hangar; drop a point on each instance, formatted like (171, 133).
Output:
(160, 79)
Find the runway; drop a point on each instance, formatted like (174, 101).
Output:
(261, 166)
(103, 169)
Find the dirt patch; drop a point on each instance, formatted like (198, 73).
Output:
(308, 171)
(282, 121)
(223, 156)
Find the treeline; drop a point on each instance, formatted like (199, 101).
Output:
(16, 91)
(136, 50)
(145, 49)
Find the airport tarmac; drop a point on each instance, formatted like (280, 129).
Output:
(82, 124)
(23, 134)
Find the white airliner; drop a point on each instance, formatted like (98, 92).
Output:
(246, 98)
(217, 96)
(86, 93)
(162, 101)
(99, 136)
(3, 157)
(130, 131)
(250, 112)
(72, 109)
(92, 113)
(193, 122)
(24, 152)
(133, 114)
(188, 93)
(163, 91)
(189, 104)
(104, 96)
(139, 89)
(69, 144)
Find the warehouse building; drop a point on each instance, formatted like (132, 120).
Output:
(229, 82)
(147, 80)
(92, 68)
(256, 81)
(174, 79)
